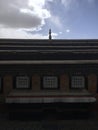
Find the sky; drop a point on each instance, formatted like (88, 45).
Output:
(32, 19)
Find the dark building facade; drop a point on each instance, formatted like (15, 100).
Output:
(48, 71)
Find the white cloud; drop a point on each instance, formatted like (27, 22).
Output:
(54, 35)
(68, 3)
(19, 34)
(56, 21)
(38, 8)
(60, 32)
(67, 30)
(49, 0)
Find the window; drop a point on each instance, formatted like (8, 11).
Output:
(22, 82)
(50, 82)
(77, 82)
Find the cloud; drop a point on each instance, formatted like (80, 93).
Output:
(67, 30)
(56, 21)
(17, 17)
(60, 32)
(54, 35)
(49, 0)
(21, 34)
(68, 3)
(39, 9)
(75, 3)
(23, 13)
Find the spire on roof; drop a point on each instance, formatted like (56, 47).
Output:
(50, 37)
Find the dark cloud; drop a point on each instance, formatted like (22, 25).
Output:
(11, 16)
(15, 19)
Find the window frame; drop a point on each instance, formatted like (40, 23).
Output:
(15, 82)
(78, 88)
(50, 88)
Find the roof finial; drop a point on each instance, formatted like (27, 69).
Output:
(50, 37)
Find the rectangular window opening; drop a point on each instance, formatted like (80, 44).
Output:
(22, 82)
(50, 82)
(78, 82)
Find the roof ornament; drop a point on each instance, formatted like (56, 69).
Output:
(50, 37)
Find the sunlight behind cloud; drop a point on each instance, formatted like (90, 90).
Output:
(67, 30)
(20, 14)
(33, 18)
(39, 3)
(38, 8)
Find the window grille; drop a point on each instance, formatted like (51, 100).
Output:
(78, 82)
(50, 82)
(22, 82)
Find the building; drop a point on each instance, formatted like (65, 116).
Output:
(48, 72)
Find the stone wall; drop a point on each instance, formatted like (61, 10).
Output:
(7, 84)
(64, 83)
(92, 83)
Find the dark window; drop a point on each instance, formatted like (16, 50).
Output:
(22, 82)
(78, 82)
(50, 82)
